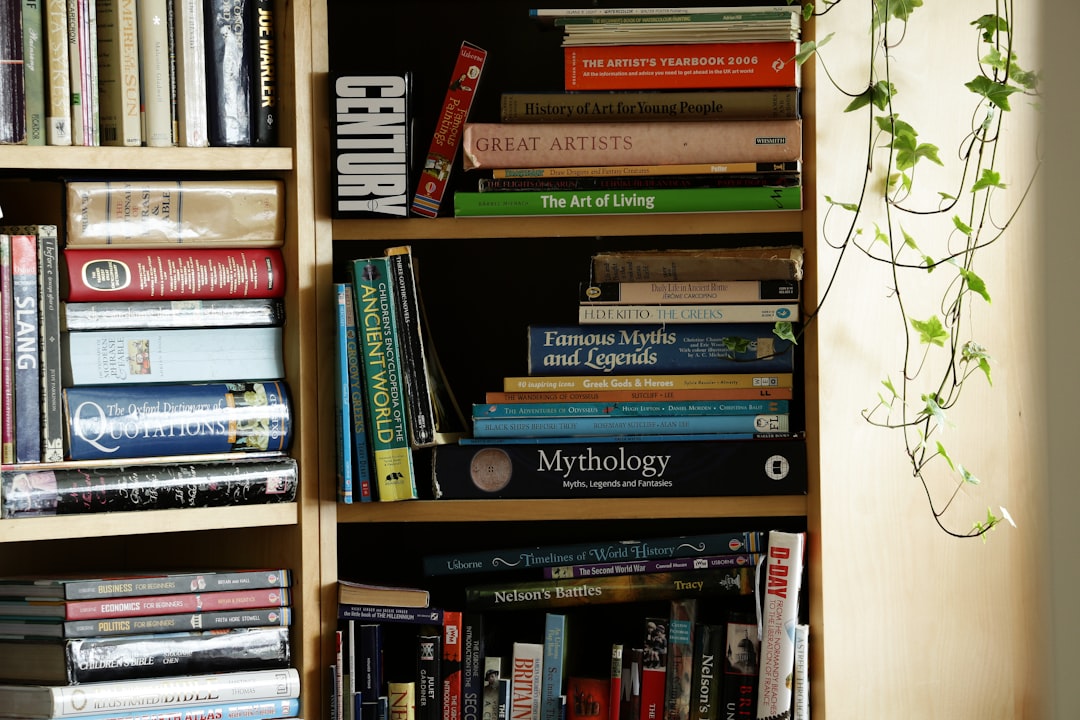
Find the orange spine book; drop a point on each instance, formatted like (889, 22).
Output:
(681, 66)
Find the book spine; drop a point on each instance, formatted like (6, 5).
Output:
(390, 614)
(615, 682)
(626, 202)
(628, 409)
(706, 468)
(343, 423)
(638, 182)
(421, 410)
(13, 111)
(145, 421)
(680, 666)
(624, 551)
(605, 349)
(357, 419)
(789, 166)
(183, 622)
(124, 274)
(230, 57)
(780, 614)
(652, 395)
(660, 425)
(583, 440)
(688, 293)
(630, 705)
(682, 66)
(428, 676)
(170, 584)
(628, 567)
(439, 161)
(157, 487)
(253, 710)
(492, 677)
(133, 357)
(34, 76)
(227, 214)
(154, 74)
(472, 665)
(572, 592)
(393, 461)
(800, 690)
(765, 263)
(742, 653)
(402, 700)
(705, 684)
(118, 71)
(369, 660)
(646, 382)
(88, 46)
(7, 353)
(451, 669)
(52, 415)
(168, 691)
(654, 668)
(112, 658)
(264, 83)
(76, 97)
(526, 678)
(145, 314)
(27, 351)
(179, 603)
(719, 313)
(505, 145)
(190, 42)
(555, 650)
(526, 107)
(58, 118)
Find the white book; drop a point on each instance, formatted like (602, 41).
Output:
(800, 689)
(190, 44)
(526, 677)
(780, 616)
(154, 72)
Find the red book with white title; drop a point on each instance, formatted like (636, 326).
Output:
(172, 273)
(451, 665)
(682, 66)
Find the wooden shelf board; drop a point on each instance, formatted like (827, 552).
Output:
(101, 159)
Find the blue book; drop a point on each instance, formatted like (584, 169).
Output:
(361, 455)
(691, 348)
(343, 423)
(554, 660)
(129, 421)
(660, 425)
(632, 408)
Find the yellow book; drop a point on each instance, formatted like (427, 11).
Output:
(701, 381)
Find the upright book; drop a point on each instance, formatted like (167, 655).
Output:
(779, 617)
(742, 659)
(27, 348)
(230, 56)
(190, 41)
(526, 678)
(265, 93)
(155, 72)
(57, 63)
(34, 73)
(118, 68)
(343, 423)
(13, 109)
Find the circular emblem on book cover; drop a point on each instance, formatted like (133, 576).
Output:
(490, 469)
(777, 467)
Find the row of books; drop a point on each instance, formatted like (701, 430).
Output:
(631, 640)
(155, 73)
(176, 643)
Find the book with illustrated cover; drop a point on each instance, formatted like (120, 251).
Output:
(654, 672)
(587, 698)
(645, 105)
(64, 587)
(230, 56)
(401, 700)
(682, 640)
(357, 418)
(68, 491)
(742, 657)
(343, 419)
(239, 312)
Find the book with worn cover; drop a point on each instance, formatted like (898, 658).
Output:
(190, 42)
(414, 361)
(172, 355)
(126, 607)
(118, 71)
(143, 624)
(645, 105)
(194, 313)
(27, 348)
(13, 108)
(537, 557)
(265, 100)
(487, 145)
(58, 87)
(690, 265)
(222, 213)
(69, 491)
(643, 171)
(357, 593)
(571, 408)
(109, 658)
(779, 616)
(702, 292)
(561, 427)
(64, 587)
(230, 56)
(526, 679)
(371, 144)
(672, 181)
(605, 349)
(742, 657)
(102, 698)
(185, 419)
(34, 73)
(7, 353)
(712, 313)
(626, 468)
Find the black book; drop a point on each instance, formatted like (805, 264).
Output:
(265, 101)
(230, 56)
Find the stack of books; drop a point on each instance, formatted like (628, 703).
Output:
(183, 643)
(676, 380)
(663, 110)
(157, 73)
(148, 350)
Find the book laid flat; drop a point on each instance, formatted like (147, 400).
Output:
(765, 104)
(118, 274)
(688, 293)
(570, 408)
(761, 383)
(627, 202)
(148, 420)
(146, 624)
(356, 593)
(685, 265)
(147, 487)
(171, 314)
(639, 182)
(668, 313)
(607, 396)
(630, 567)
(506, 145)
(626, 468)
(178, 355)
(228, 213)
(61, 700)
(600, 171)
(85, 588)
(145, 605)
(560, 427)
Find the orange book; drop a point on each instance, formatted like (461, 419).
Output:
(772, 393)
(682, 66)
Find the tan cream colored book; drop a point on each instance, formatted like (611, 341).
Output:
(221, 213)
(154, 72)
(118, 73)
(59, 84)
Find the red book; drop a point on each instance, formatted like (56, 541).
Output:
(615, 681)
(682, 66)
(451, 665)
(147, 605)
(173, 273)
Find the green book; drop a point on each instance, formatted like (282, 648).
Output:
(34, 71)
(625, 202)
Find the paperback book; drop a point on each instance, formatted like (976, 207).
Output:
(759, 382)
(645, 105)
(26, 358)
(87, 587)
(640, 394)
(639, 425)
(694, 168)
(629, 567)
(681, 314)
(571, 408)
(703, 292)
(106, 608)
(638, 182)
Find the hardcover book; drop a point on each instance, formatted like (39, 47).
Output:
(223, 213)
(505, 145)
(561, 427)
(428, 676)
(265, 100)
(240, 312)
(146, 624)
(556, 648)
(118, 70)
(103, 659)
(671, 181)
(138, 356)
(357, 418)
(629, 567)
(401, 700)
(686, 265)
(451, 669)
(7, 353)
(439, 161)
(703, 292)
(155, 73)
(716, 381)
(707, 680)
(146, 605)
(654, 660)
(538, 557)
(492, 678)
(526, 676)
(706, 468)
(371, 143)
(646, 105)
(230, 56)
(34, 73)
(13, 109)
(633, 408)
(414, 361)
(680, 660)
(57, 62)
(632, 395)
(150, 420)
(472, 665)
(62, 700)
(357, 593)
(64, 491)
(252, 710)
(343, 423)
(605, 349)
(742, 658)
(85, 588)
(644, 171)
(615, 682)
(780, 614)
(26, 330)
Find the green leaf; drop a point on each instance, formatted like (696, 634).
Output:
(784, 331)
(934, 411)
(808, 48)
(990, 25)
(887, 382)
(852, 207)
(961, 225)
(975, 283)
(996, 93)
(736, 344)
(899, 9)
(942, 453)
(931, 332)
(990, 178)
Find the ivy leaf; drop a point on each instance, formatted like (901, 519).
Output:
(931, 332)
(887, 382)
(934, 412)
(961, 225)
(850, 207)
(784, 331)
(975, 283)
(899, 9)
(808, 48)
(990, 178)
(736, 344)
(942, 453)
(995, 93)
(990, 25)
